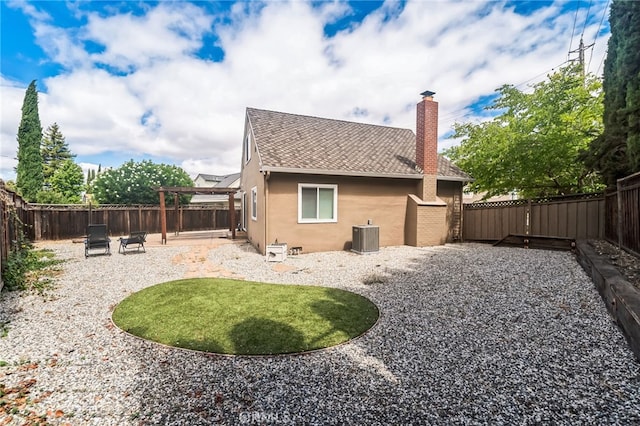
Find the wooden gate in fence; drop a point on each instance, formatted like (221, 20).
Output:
(580, 216)
(623, 213)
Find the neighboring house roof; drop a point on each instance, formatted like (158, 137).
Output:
(228, 181)
(210, 180)
(304, 144)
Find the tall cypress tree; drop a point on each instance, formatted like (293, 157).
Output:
(55, 151)
(630, 65)
(29, 178)
(616, 153)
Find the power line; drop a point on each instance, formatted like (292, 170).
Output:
(581, 47)
(586, 19)
(580, 51)
(604, 12)
(464, 112)
(573, 30)
(541, 74)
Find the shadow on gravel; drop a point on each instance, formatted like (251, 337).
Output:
(466, 334)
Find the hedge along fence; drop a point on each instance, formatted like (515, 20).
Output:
(56, 222)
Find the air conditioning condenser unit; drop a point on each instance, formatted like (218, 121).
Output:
(365, 239)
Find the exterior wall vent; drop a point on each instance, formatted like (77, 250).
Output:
(365, 239)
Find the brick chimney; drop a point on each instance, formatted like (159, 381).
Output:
(427, 144)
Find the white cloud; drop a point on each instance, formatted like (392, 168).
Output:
(166, 102)
(96, 112)
(10, 101)
(61, 46)
(164, 33)
(29, 10)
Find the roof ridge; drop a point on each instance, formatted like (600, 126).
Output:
(330, 119)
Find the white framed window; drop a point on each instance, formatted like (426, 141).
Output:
(247, 148)
(317, 203)
(254, 203)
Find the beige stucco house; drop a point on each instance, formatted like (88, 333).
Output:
(306, 181)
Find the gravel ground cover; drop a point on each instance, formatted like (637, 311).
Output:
(468, 334)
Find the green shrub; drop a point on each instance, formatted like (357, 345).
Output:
(28, 269)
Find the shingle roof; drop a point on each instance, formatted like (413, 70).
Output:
(449, 171)
(298, 142)
(228, 180)
(210, 178)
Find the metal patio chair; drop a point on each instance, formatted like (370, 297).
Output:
(97, 238)
(138, 238)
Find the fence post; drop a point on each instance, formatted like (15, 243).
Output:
(163, 218)
(619, 200)
(527, 224)
(176, 213)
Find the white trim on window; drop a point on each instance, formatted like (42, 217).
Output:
(244, 210)
(319, 204)
(254, 203)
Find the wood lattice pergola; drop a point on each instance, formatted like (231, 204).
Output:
(177, 190)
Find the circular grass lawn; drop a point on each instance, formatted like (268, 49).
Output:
(243, 317)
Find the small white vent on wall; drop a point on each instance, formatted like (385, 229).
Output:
(365, 239)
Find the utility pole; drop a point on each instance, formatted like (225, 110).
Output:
(580, 51)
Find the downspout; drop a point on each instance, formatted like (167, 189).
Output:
(267, 175)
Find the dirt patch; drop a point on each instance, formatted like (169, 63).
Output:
(280, 267)
(199, 265)
(627, 264)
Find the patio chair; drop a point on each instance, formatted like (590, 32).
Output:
(97, 238)
(138, 238)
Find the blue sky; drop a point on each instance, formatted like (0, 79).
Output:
(170, 81)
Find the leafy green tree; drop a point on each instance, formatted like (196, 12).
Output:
(11, 185)
(68, 180)
(29, 178)
(133, 183)
(55, 151)
(533, 145)
(616, 153)
(48, 196)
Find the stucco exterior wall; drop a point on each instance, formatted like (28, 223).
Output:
(383, 201)
(402, 220)
(252, 177)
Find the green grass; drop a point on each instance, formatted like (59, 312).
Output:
(244, 317)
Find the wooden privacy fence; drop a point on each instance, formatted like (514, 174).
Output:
(623, 214)
(12, 216)
(578, 216)
(55, 222)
